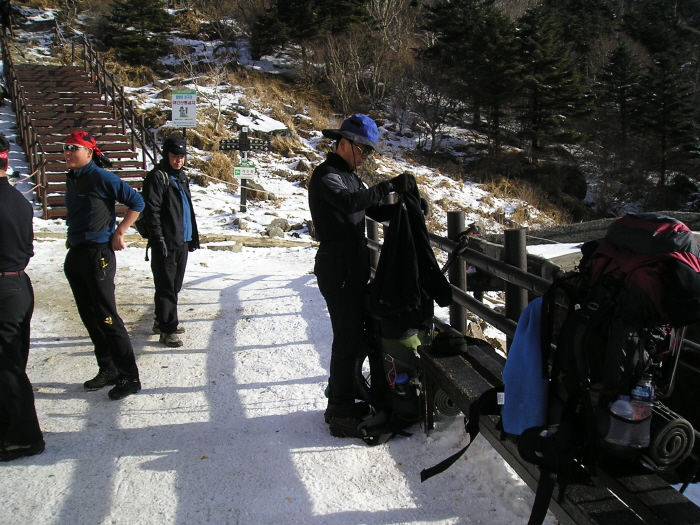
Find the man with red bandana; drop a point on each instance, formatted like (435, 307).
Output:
(90, 266)
(20, 434)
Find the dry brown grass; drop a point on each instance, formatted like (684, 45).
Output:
(188, 22)
(502, 187)
(219, 167)
(285, 146)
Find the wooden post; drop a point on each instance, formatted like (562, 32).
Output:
(515, 254)
(457, 273)
(244, 182)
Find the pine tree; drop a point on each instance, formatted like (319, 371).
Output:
(553, 93)
(475, 42)
(668, 114)
(619, 94)
(136, 29)
(583, 24)
(300, 22)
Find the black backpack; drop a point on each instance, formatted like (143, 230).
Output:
(613, 320)
(140, 223)
(387, 377)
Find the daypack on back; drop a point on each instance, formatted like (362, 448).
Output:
(623, 310)
(140, 223)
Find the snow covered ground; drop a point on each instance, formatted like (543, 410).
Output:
(228, 428)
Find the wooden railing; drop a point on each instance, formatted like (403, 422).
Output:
(122, 107)
(33, 149)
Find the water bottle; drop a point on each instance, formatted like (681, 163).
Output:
(401, 383)
(642, 403)
(620, 426)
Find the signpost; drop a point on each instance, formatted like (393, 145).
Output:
(245, 170)
(184, 106)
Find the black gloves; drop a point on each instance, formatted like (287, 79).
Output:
(403, 183)
(159, 244)
(424, 206)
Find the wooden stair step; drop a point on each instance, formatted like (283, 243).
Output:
(59, 87)
(96, 112)
(113, 156)
(54, 141)
(76, 122)
(48, 68)
(60, 187)
(63, 97)
(66, 130)
(116, 147)
(60, 107)
(60, 167)
(131, 175)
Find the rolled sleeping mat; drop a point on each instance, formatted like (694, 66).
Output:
(672, 440)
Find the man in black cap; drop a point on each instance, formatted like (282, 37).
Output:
(338, 201)
(20, 434)
(169, 216)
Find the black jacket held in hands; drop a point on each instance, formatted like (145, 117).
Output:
(163, 212)
(408, 277)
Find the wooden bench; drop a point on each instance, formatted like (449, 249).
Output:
(626, 496)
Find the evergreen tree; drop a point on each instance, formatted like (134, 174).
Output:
(619, 93)
(553, 93)
(136, 30)
(300, 22)
(668, 114)
(494, 70)
(475, 42)
(583, 24)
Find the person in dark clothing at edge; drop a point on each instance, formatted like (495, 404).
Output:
(90, 265)
(20, 434)
(170, 218)
(338, 201)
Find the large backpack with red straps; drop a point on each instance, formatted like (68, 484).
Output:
(620, 315)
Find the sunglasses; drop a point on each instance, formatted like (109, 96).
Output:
(365, 152)
(72, 147)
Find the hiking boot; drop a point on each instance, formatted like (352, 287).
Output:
(101, 380)
(359, 410)
(156, 328)
(345, 427)
(170, 340)
(10, 451)
(125, 387)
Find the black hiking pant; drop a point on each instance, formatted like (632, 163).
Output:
(342, 270)
(18, 421)
(90, 270)
(168, 275)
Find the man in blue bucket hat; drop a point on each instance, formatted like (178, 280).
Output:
(338, 201)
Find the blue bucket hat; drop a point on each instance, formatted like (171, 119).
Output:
(358, 128)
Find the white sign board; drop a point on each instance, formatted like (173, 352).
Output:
(185, 108)
(244, 171)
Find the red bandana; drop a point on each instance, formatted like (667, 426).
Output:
(3, 154)
(83, 138)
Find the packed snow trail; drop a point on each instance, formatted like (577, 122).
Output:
(228, 428)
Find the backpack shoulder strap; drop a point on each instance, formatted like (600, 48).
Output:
(487, 404)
